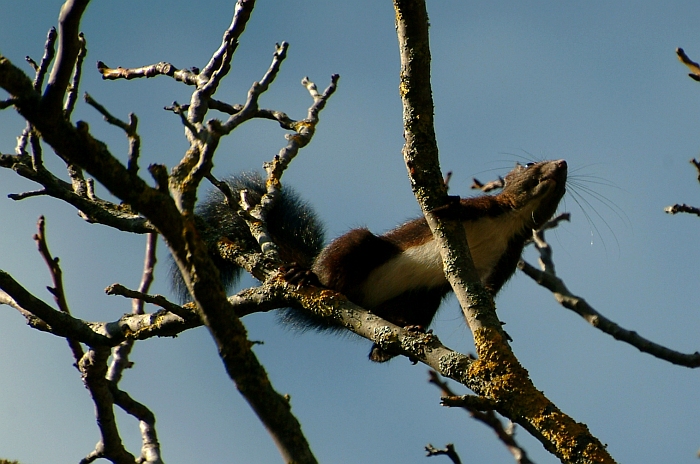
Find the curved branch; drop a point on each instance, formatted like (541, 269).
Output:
(91, 208)
(150, 448)
(693, 67)
(93, 366)
(57, 322)
(550, 281)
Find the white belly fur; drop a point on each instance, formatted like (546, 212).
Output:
(421, 266)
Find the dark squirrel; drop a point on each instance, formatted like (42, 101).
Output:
(398, 275)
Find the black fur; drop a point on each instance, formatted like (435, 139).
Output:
(292, 223)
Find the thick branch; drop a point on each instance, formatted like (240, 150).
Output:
(91, 208)
(68, 50)
(75, 145)
(505, 380)
(59, 323)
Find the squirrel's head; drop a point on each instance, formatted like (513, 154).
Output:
(536, 188)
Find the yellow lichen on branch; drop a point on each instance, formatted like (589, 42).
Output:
(509, 384)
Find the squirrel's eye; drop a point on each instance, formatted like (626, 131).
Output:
(528, 165)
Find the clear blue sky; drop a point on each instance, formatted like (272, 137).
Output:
(596, 83)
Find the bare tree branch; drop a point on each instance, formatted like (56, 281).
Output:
(75, 84)
(40, 73)
(482, 410)
(448, 451)
(489, 186)
(49, 53)
(129, 128)
(90, 207)
(69, 46)
(221, 59)
(692, 65)
(686, 208)
(93, 367)
(186, 76)
(502, 377)
(250, 107)
(189, 251)
(150, 449)
(57, 290)
(548, 279)
(682, 208)
(120, 354)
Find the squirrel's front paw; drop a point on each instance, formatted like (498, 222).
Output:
(300, 276)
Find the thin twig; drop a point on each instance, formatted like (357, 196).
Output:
(482, 409)
(256, 215)
(258, 88)
(37, 152)
(487, 187)
(69, 46)
(187, 76)
(75, 84)
(696, 163)
(158, 300)
(120, 354)
(129, 128)
(49, 53)
(57, 290)
(284, 121)
(692, 65)
(90, 207)
(682, 208)
(548, 279)
(304, 129)
(39, 74)
(448, 451)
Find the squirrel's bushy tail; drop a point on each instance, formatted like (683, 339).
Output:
(291, 223)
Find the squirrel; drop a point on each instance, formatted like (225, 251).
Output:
(398, 275)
